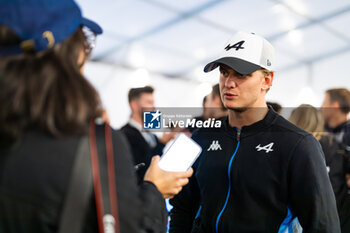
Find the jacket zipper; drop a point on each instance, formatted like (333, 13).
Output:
(229, 180)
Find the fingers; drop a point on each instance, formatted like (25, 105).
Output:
(175, 188)
(168, 196)
(178, 185)
(189, 172)
(185, 174)
(155, 159)
(172, 192)
(183, 182)
(168, 183)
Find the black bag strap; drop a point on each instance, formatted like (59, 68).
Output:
(93, 167)
(103, 172)
(79, 191)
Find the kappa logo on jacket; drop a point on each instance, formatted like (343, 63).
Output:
(214, 146)
(266, 148)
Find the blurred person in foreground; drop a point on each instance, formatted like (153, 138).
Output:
(46, 106)
(310, 119)
(258, 171)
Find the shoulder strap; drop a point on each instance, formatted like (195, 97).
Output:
(79, 191)
(103, 172)
(93, 167)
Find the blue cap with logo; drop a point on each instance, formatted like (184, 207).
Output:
(40, 24)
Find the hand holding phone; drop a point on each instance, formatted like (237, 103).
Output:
(180, 156)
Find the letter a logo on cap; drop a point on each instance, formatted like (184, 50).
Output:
(237, 46)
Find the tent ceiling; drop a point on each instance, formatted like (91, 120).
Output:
(176, 38)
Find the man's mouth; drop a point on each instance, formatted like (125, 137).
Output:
(230, 96)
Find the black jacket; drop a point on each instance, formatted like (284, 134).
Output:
(141, 151)
(342, 135)
(336, 166)
(34, 177)
(338, 160)
(246, 180)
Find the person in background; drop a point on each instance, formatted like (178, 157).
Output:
(258, 171)
(144, 145)
(310, 119)
(46, 106)
(335, 110)
(204, 103)
(204, 108)
(212, 106)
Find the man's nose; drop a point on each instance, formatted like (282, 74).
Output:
(230, 82)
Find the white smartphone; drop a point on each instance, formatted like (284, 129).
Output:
(180, 156)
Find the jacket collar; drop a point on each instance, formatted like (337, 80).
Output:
(345, 126)
(252, 129)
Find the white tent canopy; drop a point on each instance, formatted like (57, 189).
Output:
(167, 43)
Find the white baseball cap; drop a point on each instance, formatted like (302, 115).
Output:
(245, 53)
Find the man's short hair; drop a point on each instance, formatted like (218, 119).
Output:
(275, 106)
(205, 99)
(135, 93)
(342, 96)
(215, 90)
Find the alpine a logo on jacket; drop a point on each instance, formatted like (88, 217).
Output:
(266, 148)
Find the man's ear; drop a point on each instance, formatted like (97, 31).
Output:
(335, 104)
(268, 79)
(133, 105)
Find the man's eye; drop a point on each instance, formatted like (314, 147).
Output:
(242, 76)
(224, 73)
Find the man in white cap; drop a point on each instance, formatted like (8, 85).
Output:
(258, 172)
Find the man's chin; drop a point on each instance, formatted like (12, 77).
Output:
(237, 109)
